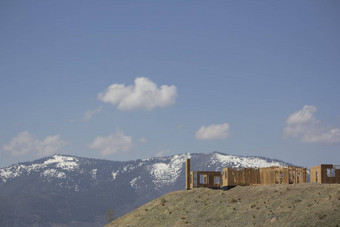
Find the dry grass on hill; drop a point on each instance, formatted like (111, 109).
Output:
(274, 205)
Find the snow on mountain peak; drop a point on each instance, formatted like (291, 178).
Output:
(53, 173)
(246, 162)
(63, 162)
(164, 174)
(56, 163)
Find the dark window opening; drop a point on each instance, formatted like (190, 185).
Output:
(316, 176)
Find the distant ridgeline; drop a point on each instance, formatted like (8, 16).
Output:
(76, 191)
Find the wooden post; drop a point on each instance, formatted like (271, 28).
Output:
(187, 174)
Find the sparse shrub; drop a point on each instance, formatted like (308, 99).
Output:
(319, 193)
(146, 209)
(232, 200)
(321, 216)
(297, 201)
(234, 208)
(252, 206)
(163, 201)
(182, 217)
(253, 216)
(196, 201)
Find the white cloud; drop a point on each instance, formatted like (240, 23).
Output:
(305, 127)
(26, 142)
(142, 140)
(302, 116)
(144, 94)
(213, 131)
(163, 153)
(113, 143)
(89, 114)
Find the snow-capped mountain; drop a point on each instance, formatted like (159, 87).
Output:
(69, 190)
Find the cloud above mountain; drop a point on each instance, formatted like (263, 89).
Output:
(213, 132)
(144, 94)
(90, 113)
(25, 143)
(113, 143)
(305, 127)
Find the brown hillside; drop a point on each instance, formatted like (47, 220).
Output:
(274, 205)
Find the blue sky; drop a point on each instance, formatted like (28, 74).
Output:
(123, 80)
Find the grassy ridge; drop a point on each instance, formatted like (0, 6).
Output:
(274, 205)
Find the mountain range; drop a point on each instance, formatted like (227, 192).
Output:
(63, 190)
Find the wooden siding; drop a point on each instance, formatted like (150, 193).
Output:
(206, 179)
(233, 177)
(325, 174)
(264, 176)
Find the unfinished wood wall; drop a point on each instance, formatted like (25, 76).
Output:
(264, 176)
(208, 179)
(245, 176)
(319, 174)
(283, 175)
(315, 174)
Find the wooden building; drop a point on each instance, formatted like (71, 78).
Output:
(231, 177)
(264, 176)
(282, 175)
(235, 176)
(207, 179)
(325, 173)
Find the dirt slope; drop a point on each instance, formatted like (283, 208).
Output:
(275, 205)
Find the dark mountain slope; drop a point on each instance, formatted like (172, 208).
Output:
(67, 190)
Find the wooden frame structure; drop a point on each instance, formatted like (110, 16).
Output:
(235, 176)
(231, 177)
(282, 175)
(264, 176)
(205, 179)
(325, 174)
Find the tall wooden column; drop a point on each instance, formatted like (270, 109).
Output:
(187, 174)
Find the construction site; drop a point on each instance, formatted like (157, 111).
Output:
(231, 177)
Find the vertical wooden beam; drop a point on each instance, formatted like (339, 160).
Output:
(187, 174)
